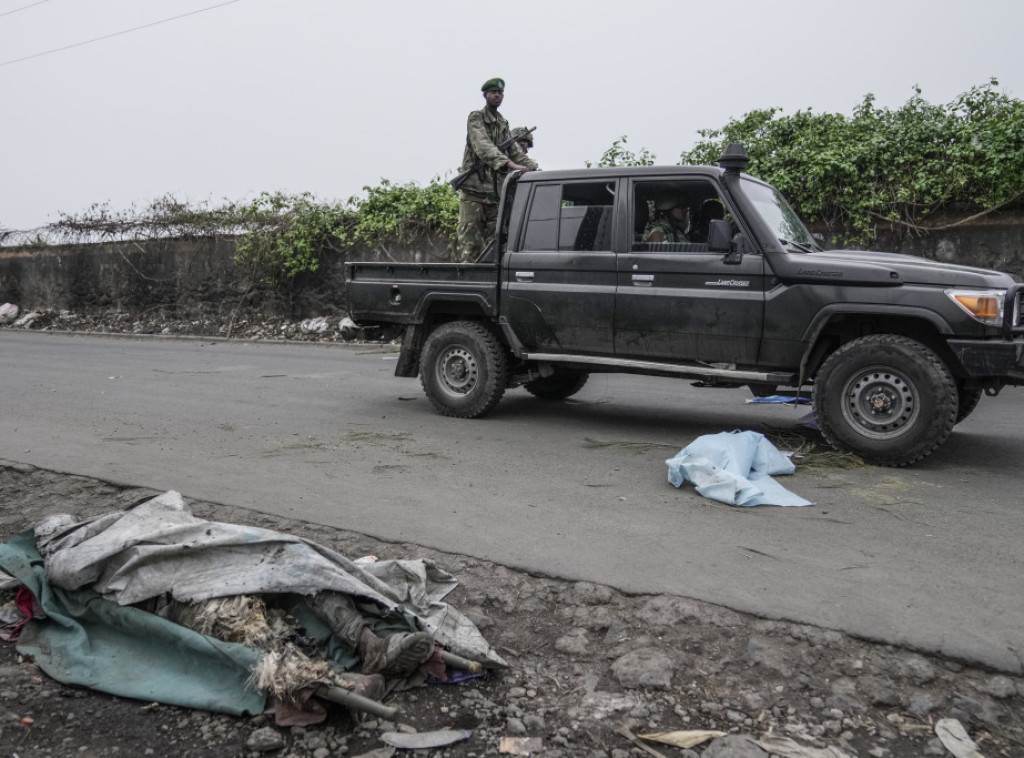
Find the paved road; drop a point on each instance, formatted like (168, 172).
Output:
(929, 557)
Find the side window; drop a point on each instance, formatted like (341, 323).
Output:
(542, 224)
(674, 216)
(570, 217)
(586, 216)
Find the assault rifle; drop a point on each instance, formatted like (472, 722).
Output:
(478, 165)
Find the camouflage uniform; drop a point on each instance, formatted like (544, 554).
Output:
(478, 197)
(528, 139)
(670, 231)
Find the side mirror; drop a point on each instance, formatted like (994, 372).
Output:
(720, 236)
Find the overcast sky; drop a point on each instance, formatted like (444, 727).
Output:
(326, 96)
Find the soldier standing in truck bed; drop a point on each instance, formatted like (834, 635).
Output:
(478, 197)
(527, 141)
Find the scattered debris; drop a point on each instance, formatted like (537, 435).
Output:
(425, 740)
(781, 400)
(152, 321)
(786, 747)
(956, 740)
(626, 446)
(520, 745)
(683, 738)
(8, 313)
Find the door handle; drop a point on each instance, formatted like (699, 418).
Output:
(643, 280)
(524, 276)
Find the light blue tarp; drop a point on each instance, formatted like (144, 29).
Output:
(734, 468)
(92, 642)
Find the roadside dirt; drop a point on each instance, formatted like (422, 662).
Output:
(590, 667)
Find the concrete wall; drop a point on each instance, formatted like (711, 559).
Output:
(194, 275)
(185, 278)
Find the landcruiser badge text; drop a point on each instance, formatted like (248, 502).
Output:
(728, 283)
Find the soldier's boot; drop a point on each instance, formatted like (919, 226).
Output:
(395, 656)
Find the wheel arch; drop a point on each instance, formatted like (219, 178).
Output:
(836, 328)
(434, 310)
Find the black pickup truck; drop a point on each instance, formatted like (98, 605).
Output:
(896, 349)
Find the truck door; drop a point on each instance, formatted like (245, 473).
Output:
(675, 299)
(559, 275)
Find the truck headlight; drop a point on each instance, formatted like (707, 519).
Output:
(984, 305)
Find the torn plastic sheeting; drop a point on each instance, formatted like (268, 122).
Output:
(95, 643)
(785, 747)
(424, 740)
(809, 421)
(159, 547)
(684, 738)
(734, 468)
(956, 740)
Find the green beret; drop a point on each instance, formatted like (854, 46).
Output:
(527, 138)
(495, 83)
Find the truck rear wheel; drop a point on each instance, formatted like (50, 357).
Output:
(887, 398)
(463, 369)
(560, 385)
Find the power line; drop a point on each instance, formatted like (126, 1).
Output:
(8, 13)
(114, 34)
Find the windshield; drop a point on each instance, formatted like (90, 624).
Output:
(774, 209)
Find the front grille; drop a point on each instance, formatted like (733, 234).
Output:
(1013, 311)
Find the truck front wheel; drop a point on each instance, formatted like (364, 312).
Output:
(463, 369)
(887, 398)
(969, 399)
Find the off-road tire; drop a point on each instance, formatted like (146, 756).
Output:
(969, 400)
(887, 398)
(560, 385)
(463, 369)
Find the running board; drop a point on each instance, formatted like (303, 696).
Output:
(695, 371)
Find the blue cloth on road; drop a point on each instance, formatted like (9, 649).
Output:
(734, 468)
(781, 400)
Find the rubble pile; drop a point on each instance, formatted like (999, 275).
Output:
(316, 329)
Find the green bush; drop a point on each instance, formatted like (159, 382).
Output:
(285, 235)
(405, 214)
(903, 165)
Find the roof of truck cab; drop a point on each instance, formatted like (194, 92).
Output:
(647, 172)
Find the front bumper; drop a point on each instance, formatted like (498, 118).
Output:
(991, 358)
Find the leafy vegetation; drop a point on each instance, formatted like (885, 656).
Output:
(285, 235)
(619, 155)
(163, 218)
(904, 165)
(405, 214)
